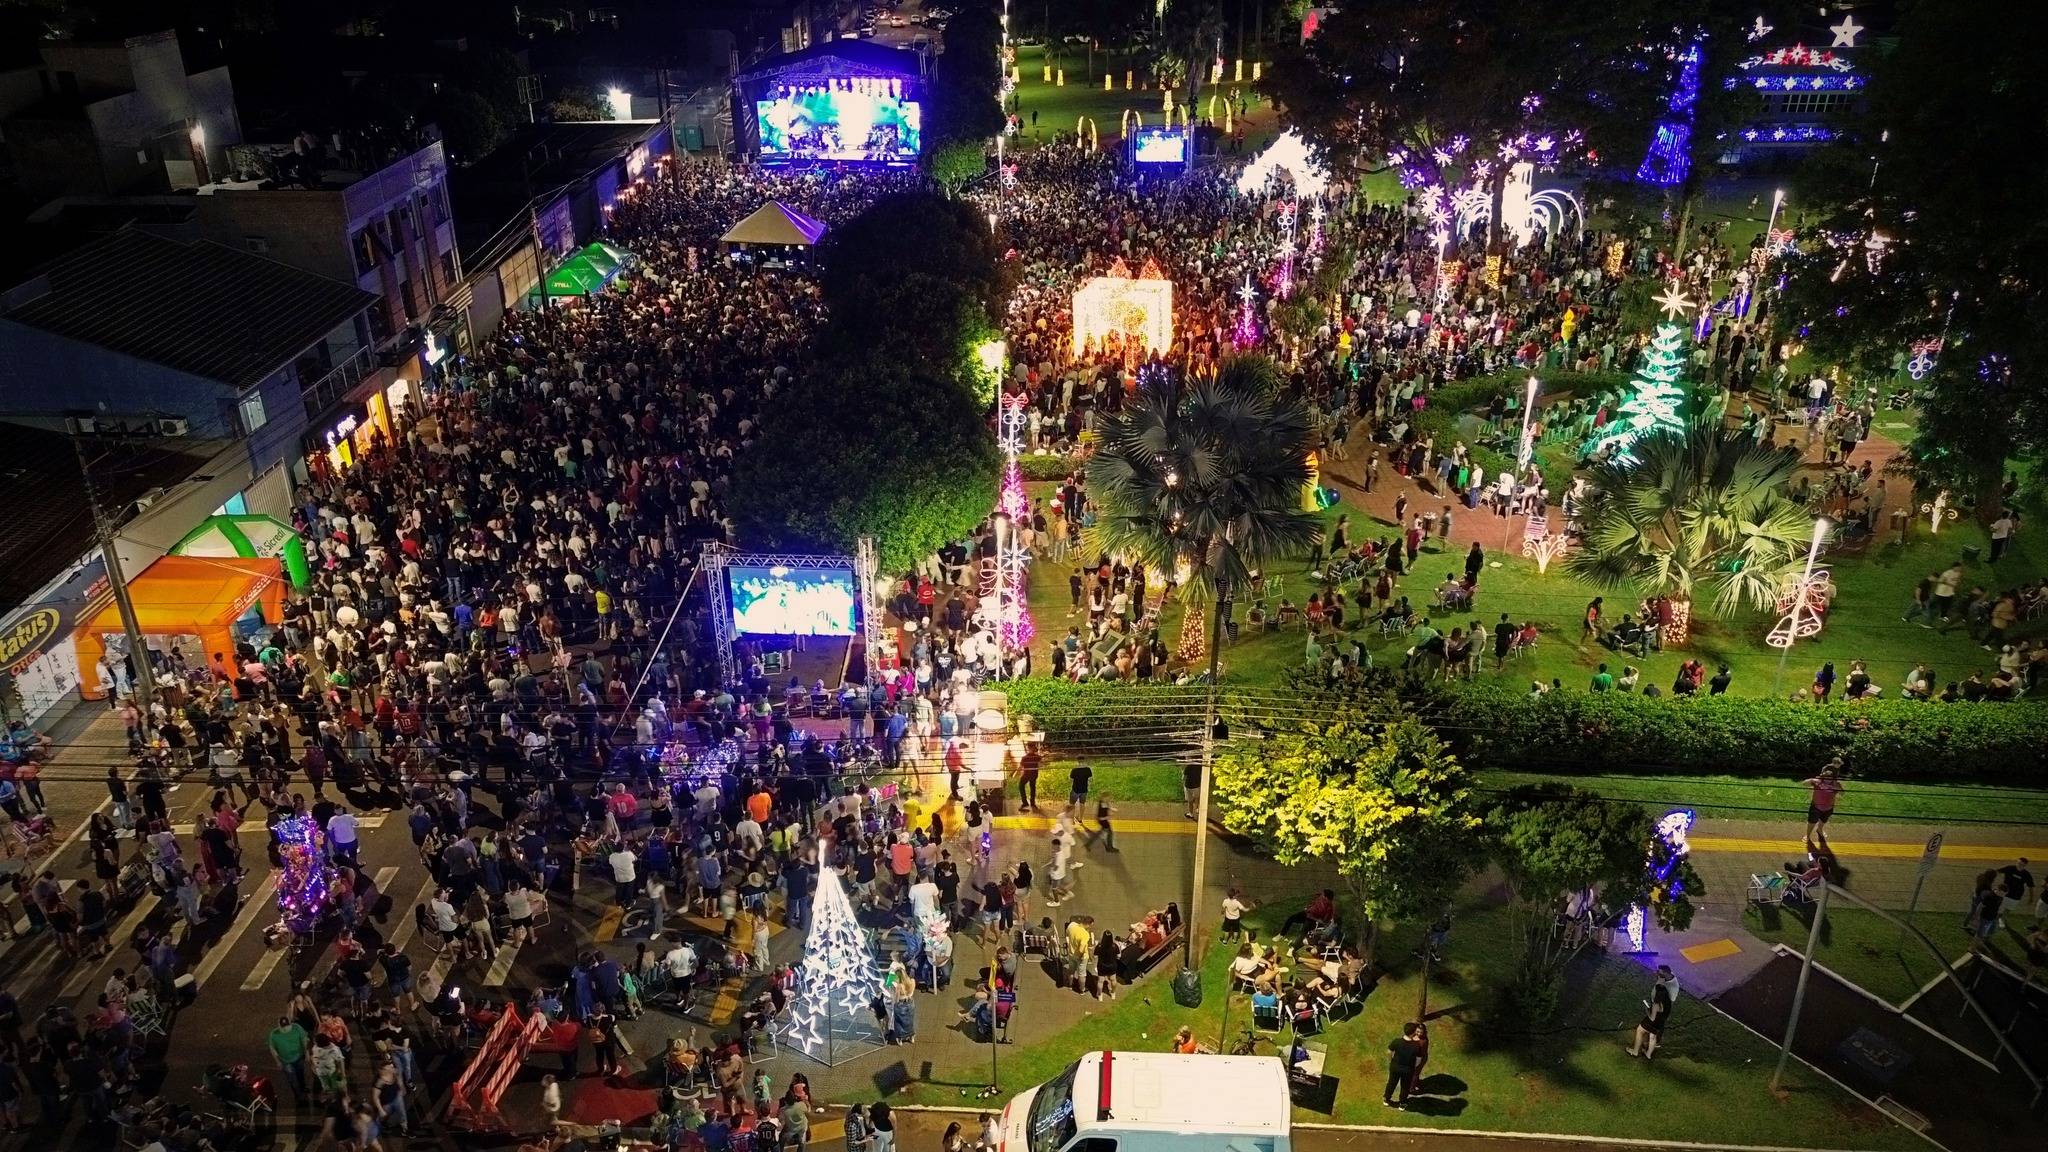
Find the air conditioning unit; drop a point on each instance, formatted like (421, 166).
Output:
(173, 426)
(79, 425)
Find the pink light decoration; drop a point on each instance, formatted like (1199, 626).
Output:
(1245, 332)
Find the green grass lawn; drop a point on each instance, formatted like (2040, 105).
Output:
(1572, 1076)
(1874, 586)
(1865, 949)
(1060, 107)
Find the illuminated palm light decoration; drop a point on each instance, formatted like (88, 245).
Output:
(1014, 628)
(829, 1015)
(1540, 545)
(1668, 850)
(1802, 609)
(1937, 510)
(1115, 305)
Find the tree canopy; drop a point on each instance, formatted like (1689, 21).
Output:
(1939, 234)
(1384, 802)
(915, 234)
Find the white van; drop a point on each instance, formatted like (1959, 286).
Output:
(1154, 1102)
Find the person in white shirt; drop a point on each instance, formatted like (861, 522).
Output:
(681, 963)
(341, 835)
(518, 910)
(748, 833)
(624, 875)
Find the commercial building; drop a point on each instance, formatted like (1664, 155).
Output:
(116, 118)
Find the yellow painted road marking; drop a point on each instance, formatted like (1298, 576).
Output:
(1869, 850)
(608, 926)
(1712, 950)
(1865, 850)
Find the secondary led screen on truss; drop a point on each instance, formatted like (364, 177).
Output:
(1160, 146)
(781, 601)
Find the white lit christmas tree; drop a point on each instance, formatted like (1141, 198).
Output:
(831, 1018)
(1658, 400)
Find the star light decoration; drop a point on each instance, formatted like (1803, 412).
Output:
(1675, 304)
(829, 1015)
(1846, 32)
(1245, 332)
(1014, 627)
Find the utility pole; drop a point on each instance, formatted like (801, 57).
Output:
(1820, 915)
(138, 654)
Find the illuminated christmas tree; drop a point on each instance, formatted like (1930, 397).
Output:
(302, 885)
(1194, 636)
(1658, 401)
(830, 1015)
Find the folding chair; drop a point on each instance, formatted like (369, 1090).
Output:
(1267, 1015)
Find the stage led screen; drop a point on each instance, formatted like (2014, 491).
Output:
(787, 602)
(1161, 146)
(868, 122)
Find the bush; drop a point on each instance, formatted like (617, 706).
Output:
(1489, 726)
(1050, 467)
(1614, 731)
(1447, 404)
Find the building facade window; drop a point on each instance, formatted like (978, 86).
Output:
(251, 412)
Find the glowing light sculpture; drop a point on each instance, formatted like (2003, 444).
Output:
(1937, 510)
(1802, 609)
(1245, 332)
(302, 889)
(1670, 154)
(1668, 850)
(1014, 628)
(1287, 153)
(829, 1017)
(1138, 309)
(1658, 400)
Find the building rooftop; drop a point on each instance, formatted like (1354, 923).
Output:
(200, 308)
(48, 523)
(537, 161)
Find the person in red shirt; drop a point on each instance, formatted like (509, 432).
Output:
(1820, 807)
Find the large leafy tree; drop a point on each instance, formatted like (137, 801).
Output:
(1702, 511)
(966, 76)
(1378, 797)
(1551, 841)
(868, 450)
(1939, 232)
(915, 234)
(1379, 79)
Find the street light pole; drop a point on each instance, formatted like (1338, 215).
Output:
(1820, 915)
(1523, 452)
(138, 655)
(1820, 534)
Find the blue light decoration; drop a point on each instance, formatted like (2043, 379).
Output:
(1668, 850)
(1843, 83)
(1788, 133)
(1670, 156)
(302, 890)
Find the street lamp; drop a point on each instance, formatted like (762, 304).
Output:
(1524, 450)
(1820, 535)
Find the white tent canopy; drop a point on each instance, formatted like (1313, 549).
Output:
(776, 223)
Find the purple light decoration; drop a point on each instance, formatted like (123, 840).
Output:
(1015, 629)
(302, 890)
(1670, 154)
(1245, 332)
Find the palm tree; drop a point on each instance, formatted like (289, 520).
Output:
(1206, 474)
(1696, 511)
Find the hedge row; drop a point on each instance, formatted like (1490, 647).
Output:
(1885, 739)
(1563, 732)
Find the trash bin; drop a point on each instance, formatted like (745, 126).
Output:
(1971, 552)
(1900, 519)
